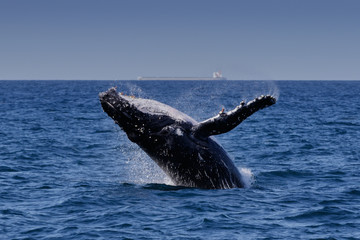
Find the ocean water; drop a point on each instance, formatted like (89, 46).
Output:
(68, 172)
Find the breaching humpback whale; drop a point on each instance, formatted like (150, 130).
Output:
(181, 146)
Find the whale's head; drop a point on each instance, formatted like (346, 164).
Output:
(142, 118)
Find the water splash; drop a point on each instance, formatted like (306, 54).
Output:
(262, 88)
(273, 90)
(130, 89)
(188, 102)
(141, 169)
(247, 177)
(134, 90)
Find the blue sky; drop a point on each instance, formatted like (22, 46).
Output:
(85, 39)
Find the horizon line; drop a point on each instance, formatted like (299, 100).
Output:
(179, 80)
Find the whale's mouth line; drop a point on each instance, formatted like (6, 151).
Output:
(103, 101)
(109, 107)
(112, 106)
(120, 116)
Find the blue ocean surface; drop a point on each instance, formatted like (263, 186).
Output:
(68, 172)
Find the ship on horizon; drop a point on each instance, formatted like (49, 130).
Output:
(216, 76)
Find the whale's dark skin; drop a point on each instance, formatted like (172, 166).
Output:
(182, 147)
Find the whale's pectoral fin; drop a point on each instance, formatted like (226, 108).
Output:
(225, 122)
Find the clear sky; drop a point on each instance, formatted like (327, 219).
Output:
(124, 39)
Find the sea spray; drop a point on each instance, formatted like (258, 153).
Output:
(273, 90)
(247, 177)
(188, 103)
(141, 169)
(259, 88)
(135, 90)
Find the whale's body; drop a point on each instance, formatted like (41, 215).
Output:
(181, 146)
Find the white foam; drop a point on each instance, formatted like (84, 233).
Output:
(247, 177)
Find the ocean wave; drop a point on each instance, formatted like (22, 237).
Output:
(287, 173)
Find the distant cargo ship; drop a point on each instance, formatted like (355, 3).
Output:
(216, 76)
